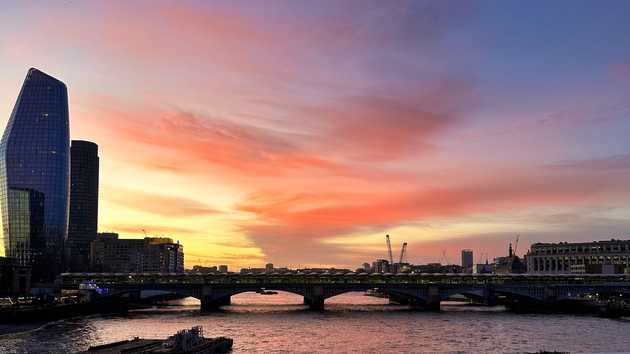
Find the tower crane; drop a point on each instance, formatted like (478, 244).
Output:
(389, 250)
(403, 250)
(444, 257)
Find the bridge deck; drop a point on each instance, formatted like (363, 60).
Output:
(74, 279)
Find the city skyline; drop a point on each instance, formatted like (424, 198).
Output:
(290, 135)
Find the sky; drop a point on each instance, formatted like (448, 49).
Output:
(301, 132)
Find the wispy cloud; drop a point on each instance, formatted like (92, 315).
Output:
(160, 204)
(606, 163)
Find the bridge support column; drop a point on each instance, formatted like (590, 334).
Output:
(209, 303)
(316, 303)
(211, 299)
(395, 299)
(314, 298)
(489, 297)
(134, 296)
(432, 300)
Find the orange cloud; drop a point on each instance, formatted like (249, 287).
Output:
(165, 205)
(152, 230)
(284, 225)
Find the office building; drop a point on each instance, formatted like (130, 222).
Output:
(15, 278)
(597, 257)
(148, 255)
(223, 268)
(467, 261)
(34, 166)
(26, 228)
(83, 221)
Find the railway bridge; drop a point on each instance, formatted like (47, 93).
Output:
(418, 290)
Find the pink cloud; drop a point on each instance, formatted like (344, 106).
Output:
(284, 225)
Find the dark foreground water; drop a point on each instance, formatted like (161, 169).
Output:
(352, 323)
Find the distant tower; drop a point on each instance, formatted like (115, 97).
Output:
(467, 261)
(34, 167)
(83, 220)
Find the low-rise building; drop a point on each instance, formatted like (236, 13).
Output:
(251, 270)
(109, 253)
(203, 269)
(483, 268)
(597, 257)
(436, 268)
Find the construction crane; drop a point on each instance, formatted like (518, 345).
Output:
(444, 258)
(403, 250)
(389, 250)
(480, 258)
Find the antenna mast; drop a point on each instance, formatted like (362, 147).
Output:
(389, 250)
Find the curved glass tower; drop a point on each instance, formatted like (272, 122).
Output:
(34, 175)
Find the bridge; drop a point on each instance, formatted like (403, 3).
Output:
(418, 290)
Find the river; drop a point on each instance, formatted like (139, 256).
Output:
(352, 323)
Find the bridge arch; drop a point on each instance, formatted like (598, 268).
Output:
(243, 290)
(137, 293)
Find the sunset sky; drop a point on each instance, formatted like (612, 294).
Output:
(301, 132)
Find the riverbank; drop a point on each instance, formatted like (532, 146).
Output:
(34, 314)
(12, 328)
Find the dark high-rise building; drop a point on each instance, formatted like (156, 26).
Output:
(34, 167)
(467, 261)
(83, 222)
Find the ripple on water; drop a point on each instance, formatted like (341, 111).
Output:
(352, 323)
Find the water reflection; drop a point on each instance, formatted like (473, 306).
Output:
(352, 323)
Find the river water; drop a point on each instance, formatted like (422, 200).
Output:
(352, 323)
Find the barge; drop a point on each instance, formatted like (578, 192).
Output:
(186, 341)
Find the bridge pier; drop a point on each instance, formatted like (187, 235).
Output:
(209, 303)
(212, 299)
(432, 304)
(314, 297)
(315, 303)
(395, 299)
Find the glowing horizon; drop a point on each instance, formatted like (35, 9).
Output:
(300, 135)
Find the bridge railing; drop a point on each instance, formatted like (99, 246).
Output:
(73, 280)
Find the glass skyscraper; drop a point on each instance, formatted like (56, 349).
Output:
(34, 175)
(83, 219)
